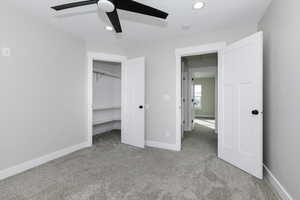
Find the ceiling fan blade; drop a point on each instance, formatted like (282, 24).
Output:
(136, 7)
(73, 5)
(115, 21)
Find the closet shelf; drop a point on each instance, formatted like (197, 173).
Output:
(99, 122)
(106, 108)
(103, 73)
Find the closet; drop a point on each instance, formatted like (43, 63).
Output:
(106, 96)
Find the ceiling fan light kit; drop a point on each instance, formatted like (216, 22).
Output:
(106, 5)
(111, 6)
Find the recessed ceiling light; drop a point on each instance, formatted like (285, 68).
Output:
(198, 5)
(108, 28)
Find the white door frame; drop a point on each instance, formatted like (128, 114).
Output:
(93, 56)
(191, 51)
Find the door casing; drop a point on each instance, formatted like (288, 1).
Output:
(93, 56)
(192, 51)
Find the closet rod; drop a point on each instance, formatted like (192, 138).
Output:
(106, 74)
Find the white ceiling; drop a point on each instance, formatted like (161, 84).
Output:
(88, 22)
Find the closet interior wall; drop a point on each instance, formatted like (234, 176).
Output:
(106, 96)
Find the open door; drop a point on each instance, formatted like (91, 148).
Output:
(240, 124)
(133, 116)
(183, 100)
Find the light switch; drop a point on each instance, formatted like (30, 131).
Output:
(5, 52)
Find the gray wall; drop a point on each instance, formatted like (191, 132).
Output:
(161, 77)
(208, 97)
(281, 26)
(206, 60)
(43, 89)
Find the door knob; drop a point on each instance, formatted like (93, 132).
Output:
(255, 112)
(141, 107)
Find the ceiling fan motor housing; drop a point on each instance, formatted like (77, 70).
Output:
(106, 5)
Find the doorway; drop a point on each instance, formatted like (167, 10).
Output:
(216, 50)
(199, 88)
(120, 103)
(106, 102)
(199, 99)
(240, 101)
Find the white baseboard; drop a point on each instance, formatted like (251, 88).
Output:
(41, 160)
(160, 145)
(281, 191)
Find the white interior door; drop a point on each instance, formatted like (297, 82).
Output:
(133, 116)
(183, 91)
(190, 105)
(240, 141)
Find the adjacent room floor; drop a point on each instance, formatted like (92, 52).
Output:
(112, 171)
(205, 123)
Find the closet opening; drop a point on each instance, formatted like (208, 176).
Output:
(115, 99)
(107, 98)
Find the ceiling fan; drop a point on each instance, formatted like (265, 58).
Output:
(111, 6)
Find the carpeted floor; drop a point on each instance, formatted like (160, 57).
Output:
(112, 171)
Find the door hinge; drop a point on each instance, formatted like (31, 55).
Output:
(192, 121)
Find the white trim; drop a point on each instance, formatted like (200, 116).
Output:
(198, 50)
(91, 56)
(160, 145)
(276, 185)
(190, 51)
(41, 160)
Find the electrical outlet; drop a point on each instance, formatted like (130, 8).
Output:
(5, 52)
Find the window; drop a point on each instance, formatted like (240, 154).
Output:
(198, 96)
